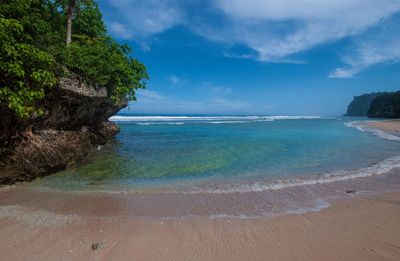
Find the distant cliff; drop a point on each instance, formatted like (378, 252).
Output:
(385, 106)
(360, 105)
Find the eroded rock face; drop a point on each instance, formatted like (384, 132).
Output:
(75, 122)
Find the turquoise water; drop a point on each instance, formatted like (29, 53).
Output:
(184, 153)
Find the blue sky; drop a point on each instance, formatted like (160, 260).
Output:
(296, 57)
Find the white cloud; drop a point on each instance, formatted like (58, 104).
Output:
(210, 99)
(228, 105)
(238, 56)
(380, 48)
(277, 29)
(274, 30)
(307, 9)
(174, 79)
(215, 90)
(343, 73)
(120, 30)
(206, 107)
(144, 18)
(148, 95)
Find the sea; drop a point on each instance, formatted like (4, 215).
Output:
(244, 166)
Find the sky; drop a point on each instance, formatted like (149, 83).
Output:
(276, 57)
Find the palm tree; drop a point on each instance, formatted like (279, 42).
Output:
(70, 11)
(71, 7)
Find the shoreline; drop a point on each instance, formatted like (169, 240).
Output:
(166, 206)
(392, 125)
(388, 129)
(362, 227)
(356, 219)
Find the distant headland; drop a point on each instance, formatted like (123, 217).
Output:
(375, 105)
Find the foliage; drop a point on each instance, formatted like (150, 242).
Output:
(106, 63)
(385, 106)
(88, 21)
(26, 71)
(42, 24)
(33, 52)
(360, 104)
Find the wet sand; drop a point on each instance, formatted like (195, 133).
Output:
(386, 125)
(355, 227)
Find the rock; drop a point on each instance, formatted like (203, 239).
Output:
(97, 245)
(351, 191)
(96, 183)
(75, 122)
(74, 84)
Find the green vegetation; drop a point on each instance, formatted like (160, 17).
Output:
(385, 106)
(26, 70)
(360, 104)
(375, 105)
(43, 39)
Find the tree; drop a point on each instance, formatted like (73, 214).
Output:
(89, 22)
(33, 53)
(385, 106)
(106, 63)
(71, 7)
(26, 71)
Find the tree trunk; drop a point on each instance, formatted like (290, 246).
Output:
(69, 23)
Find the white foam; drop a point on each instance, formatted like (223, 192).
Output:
(319, 204)
(150, 120)
(158, 123)
(239, 216)
(383, 167)
(232, 122)
(35, 217)
(359, 126)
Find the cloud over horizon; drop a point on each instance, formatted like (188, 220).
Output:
(216, 101)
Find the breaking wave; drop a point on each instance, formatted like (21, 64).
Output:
(177, 120)
(382, 167)
(358, 125)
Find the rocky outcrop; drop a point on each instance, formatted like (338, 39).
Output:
(360, 104)
(75, 121)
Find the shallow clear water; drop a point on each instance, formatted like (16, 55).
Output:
(189, 153)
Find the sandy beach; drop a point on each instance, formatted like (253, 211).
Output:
(354, 228)
(386, 125)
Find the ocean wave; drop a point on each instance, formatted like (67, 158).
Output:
(232, 122)
(151, 120)
(358, 125)
(159, 123)
(382, 167)
(317, 205)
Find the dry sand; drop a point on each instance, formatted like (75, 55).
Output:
(386, 125)
(354, 228)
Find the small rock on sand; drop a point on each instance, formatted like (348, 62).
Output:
(97, 245)
(96, 183)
